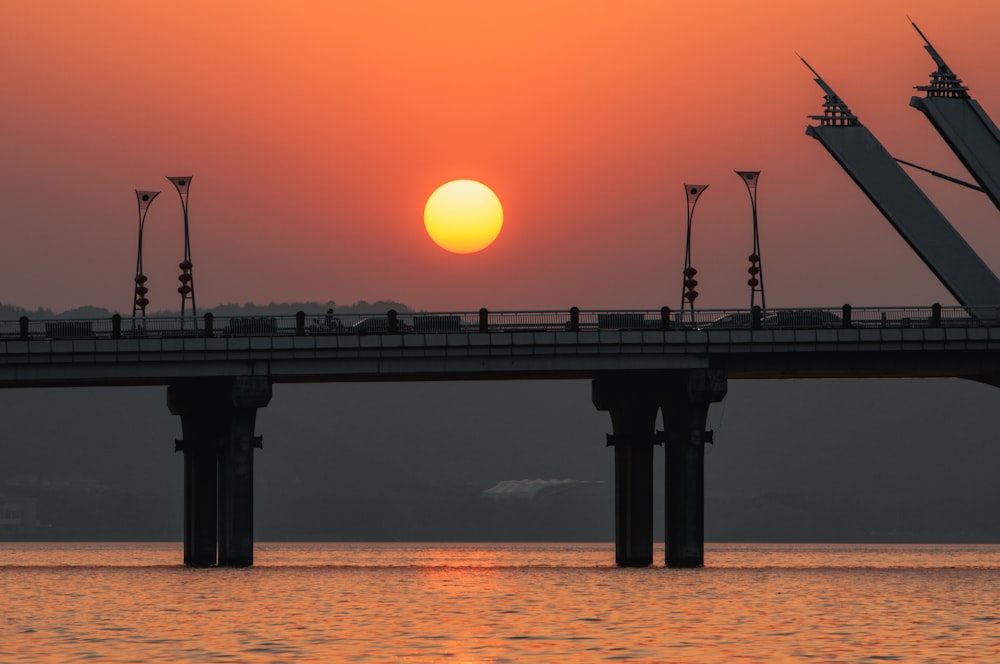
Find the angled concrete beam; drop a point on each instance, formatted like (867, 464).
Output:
(962, 123)
(928, 232)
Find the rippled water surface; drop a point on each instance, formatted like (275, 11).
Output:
(500, 603)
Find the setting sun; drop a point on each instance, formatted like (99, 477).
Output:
(463, 216)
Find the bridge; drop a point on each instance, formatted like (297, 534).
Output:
(220, 371)
(844, 342)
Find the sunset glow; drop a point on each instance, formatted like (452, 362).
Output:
(468, 379)
(317, 130)
(463, 216)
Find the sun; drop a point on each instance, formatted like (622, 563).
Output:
(463, 216)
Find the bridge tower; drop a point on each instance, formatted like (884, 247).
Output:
(962, 123)
(633, 400)
(217, 421)
(928, 232)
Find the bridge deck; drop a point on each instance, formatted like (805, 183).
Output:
(893, 347)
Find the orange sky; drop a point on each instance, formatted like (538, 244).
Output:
(316, 130)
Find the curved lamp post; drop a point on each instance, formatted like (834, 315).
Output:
(756, 280)
(139, 300)
(688, 292)
(186, 289)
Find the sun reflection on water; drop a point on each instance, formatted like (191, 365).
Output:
(497, 603)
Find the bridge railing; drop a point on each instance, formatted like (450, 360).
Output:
(904, 317)
(301, 324)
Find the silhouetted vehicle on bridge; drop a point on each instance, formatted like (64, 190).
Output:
(802, 318)
(70, 330)
(251, 326)
(737, 321)
(785, 319)
(437, 323)
(378, 325)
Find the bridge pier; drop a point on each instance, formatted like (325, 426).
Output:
(633, 401)
(632, 404)
(685, 415)
(217, 422)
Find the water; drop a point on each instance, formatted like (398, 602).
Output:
(500, 603)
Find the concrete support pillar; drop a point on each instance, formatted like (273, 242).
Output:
(236, 472)
(200, 490)
(217, 421)
(685, 414)
(633, 405)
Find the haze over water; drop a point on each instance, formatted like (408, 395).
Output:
(500, 603)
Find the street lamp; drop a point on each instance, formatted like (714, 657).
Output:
(688, 292)
(756, 280)
(186, 289)
(139, 300)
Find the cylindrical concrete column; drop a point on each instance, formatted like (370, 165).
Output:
(685, 502)
(236, 502)
(633, 501)
(236, 472)
(200, 491)
(633, 404)
(685, 415)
